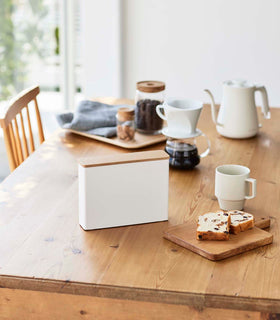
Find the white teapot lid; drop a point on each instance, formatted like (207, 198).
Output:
(239, 83)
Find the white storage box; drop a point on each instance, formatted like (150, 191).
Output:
(123, 189)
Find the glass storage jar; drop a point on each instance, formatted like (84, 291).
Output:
(125, 124)
(149, 94)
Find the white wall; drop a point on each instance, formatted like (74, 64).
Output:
(196, 44)
(101, 51)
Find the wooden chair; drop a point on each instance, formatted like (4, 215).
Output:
(17, 147)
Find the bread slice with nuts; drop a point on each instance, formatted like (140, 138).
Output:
(240, 221)
(213, 226)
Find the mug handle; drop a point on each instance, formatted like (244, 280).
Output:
(160, 114)
(206, 152)
(254, 188)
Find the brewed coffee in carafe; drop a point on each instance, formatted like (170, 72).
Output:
(183, 153)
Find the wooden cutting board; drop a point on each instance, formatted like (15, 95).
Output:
(185, 236)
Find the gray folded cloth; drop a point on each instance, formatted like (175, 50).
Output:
(91, 117)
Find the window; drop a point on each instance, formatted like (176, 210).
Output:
(38, 47)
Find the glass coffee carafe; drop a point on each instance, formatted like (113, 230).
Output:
(183, 152)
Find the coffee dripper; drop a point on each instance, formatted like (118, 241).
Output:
(182, 116)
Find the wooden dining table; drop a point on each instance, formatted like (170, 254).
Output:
(50, 268)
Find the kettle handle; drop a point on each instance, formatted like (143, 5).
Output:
(206, 152)
(213, 108)
(265, 105)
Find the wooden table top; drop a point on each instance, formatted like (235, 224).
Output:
(44, 248)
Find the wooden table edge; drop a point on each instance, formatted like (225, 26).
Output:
(196, 300)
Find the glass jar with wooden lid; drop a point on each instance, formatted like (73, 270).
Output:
(149, 94)
(125, 124)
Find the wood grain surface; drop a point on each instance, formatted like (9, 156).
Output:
(34, 305)
(185, 236)
(143, 156)
(44, 249)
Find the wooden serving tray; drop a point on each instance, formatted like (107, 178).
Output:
(185, 236)
(140, 141)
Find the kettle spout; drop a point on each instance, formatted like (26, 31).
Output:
(213, 107)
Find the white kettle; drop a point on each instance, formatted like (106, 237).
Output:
(238, 116)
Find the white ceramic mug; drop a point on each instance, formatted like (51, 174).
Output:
(181, 115)
(232, 186)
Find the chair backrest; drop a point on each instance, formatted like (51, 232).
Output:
(20, 145)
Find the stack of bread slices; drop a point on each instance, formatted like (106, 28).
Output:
(218, 225)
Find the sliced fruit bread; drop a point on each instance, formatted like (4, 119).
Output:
(240, 221)
(213, 226)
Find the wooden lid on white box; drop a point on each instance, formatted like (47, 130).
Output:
(123, 158)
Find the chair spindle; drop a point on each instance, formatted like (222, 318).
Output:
(18, 143)
(31, 140)
(24, 141)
